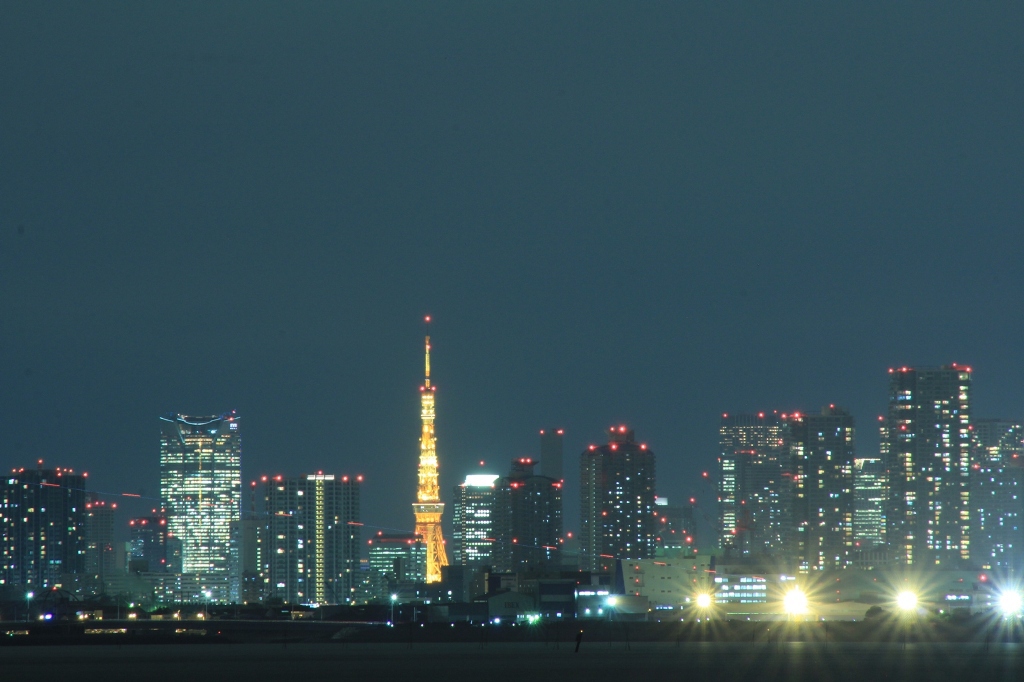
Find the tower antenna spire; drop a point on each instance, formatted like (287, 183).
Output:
(427, 375)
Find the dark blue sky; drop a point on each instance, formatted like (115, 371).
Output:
(647, 215)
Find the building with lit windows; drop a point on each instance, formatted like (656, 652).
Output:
(617, 518)
(527, 519)
(869, 490)
(821, 452)
(473, 520)
(927, 444)
(312, 540)
(43, 526)
(153, 549)
(201, 489)
(675, 528)
(752, 489)
(396, 558)
(997, 494)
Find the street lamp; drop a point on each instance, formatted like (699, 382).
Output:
(208, 594)
(28, 598)
(394, 598)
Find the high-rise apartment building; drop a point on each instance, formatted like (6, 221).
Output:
(551, 453)
(527, 519)
(616, 501)
(42, 519)
(752, 504)
(312, 539)
(821, 453)
(997, 494)
(201, 489)
(473, 520)
(869, 494)
(927, 444)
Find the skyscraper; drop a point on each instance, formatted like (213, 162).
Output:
(752, 504)
(616, 501)
(676, 526)
(100, 558)
(396, 558)
(997, 494)
(527, 519)
(428, 507)
(151, 546)
(927, 442)
(869, 495)
(201, 489)
(43, 526)
(551, 453)
(474, 520)
(312, 539)
(821, 450)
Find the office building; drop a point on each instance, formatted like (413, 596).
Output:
(201, 489)
(676, 528)
(752, 489)
(152, 546)
(551, 453)
(100, 556)
(616, 501)
(396, 558)
(821, 452)
(312, 539)
(927, 442)
(869, 493)
(473, 520)
(43, 526)
(997, 494)
(527, 519)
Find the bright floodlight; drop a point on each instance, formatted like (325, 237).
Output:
(907, 601)
(704, 600)
(795, 602)
(1011, 603)
(611, 601)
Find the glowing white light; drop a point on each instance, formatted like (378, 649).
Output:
(795, 602)
(907, 601)
(704, 600)
(1011, 603)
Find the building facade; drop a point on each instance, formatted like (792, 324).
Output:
(201, 489)
(396, 558)
(527, 519)
(927, 445)
(869, 495)
(153, 549)
(821, 451)
(473, 520)
(551, 453)
(997, 494)
(752, 504)
(100, 556)
(616, 501)
(312, 538)
(43, 526)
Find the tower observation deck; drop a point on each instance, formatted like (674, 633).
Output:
(428, 507)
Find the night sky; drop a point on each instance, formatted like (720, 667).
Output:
(615, 214)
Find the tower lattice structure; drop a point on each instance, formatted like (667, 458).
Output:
(428, 507)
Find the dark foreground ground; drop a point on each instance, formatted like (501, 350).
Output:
(484, 662)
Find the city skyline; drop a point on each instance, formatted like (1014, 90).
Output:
(615, 216)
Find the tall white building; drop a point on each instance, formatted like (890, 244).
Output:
(474, 520)
(201, 489)
(869, 502)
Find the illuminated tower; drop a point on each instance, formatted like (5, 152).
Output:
(428, 506)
